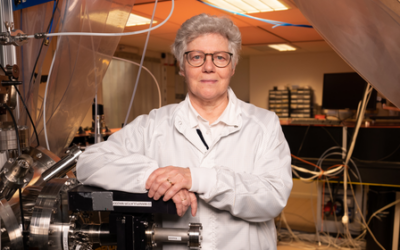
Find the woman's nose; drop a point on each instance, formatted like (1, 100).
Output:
(208, 64)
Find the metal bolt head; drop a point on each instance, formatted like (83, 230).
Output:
(50, 243)
(68, 151)
(39, 155)
(11, 160)
(25, 180)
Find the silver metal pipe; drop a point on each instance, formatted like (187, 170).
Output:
(64, 165)
(175, 235)
(8, 54)
(98, 234)
(190, 236)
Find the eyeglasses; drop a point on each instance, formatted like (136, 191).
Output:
(220, 59)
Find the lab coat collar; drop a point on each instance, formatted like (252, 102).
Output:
(182, 121)
(230, 116)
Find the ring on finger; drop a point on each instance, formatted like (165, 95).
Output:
(170, 182)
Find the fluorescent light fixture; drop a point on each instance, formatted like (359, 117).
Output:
(282, 47)
(274, 4)
(135, 20)
(249, 6)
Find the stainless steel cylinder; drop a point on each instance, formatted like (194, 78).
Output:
(64, 165)
(190, 236)
(16, 173)
(98, 234)
(174, 235)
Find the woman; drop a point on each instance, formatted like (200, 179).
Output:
(233, 155)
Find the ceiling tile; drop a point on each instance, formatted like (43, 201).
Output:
(255, 35)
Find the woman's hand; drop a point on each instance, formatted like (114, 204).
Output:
(168, 181)
(183, 199)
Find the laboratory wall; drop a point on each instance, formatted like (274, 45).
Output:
(288, 69)
(240, 80)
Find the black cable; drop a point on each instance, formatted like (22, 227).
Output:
(379, 160)
(1, 66)
(302, 142)
(29, 115)
(15, 126)
(330, 135)
(44, 40)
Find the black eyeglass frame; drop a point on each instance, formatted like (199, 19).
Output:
(212, 58)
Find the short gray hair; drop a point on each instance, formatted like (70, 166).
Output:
(206, 24)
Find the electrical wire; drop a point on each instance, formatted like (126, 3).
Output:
(109, 34)
(363, 219)
(360, 115)
(45, 99)
(141, 64)
(151, 74)
(303, 140)
(1, 66)
(43, 42)
(29, 115)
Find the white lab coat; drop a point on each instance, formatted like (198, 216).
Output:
(243, 181)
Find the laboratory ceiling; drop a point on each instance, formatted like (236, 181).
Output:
(256, 35)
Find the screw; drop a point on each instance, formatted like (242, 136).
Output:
(25, 180)
(68, 151)
(11, 160)
(39, 155)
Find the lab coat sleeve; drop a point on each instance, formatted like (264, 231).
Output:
(118, 163)
(257, 196)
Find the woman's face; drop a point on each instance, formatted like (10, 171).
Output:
(208, 83)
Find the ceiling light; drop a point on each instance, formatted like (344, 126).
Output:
(274, 4)
(282, 47)
(135, 20)
(249, 6)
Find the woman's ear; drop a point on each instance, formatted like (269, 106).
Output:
(182, 72)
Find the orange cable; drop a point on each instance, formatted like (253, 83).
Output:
(309, 163)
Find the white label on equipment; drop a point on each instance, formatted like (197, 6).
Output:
(65, 237)
(175, 238)
(132, 203)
